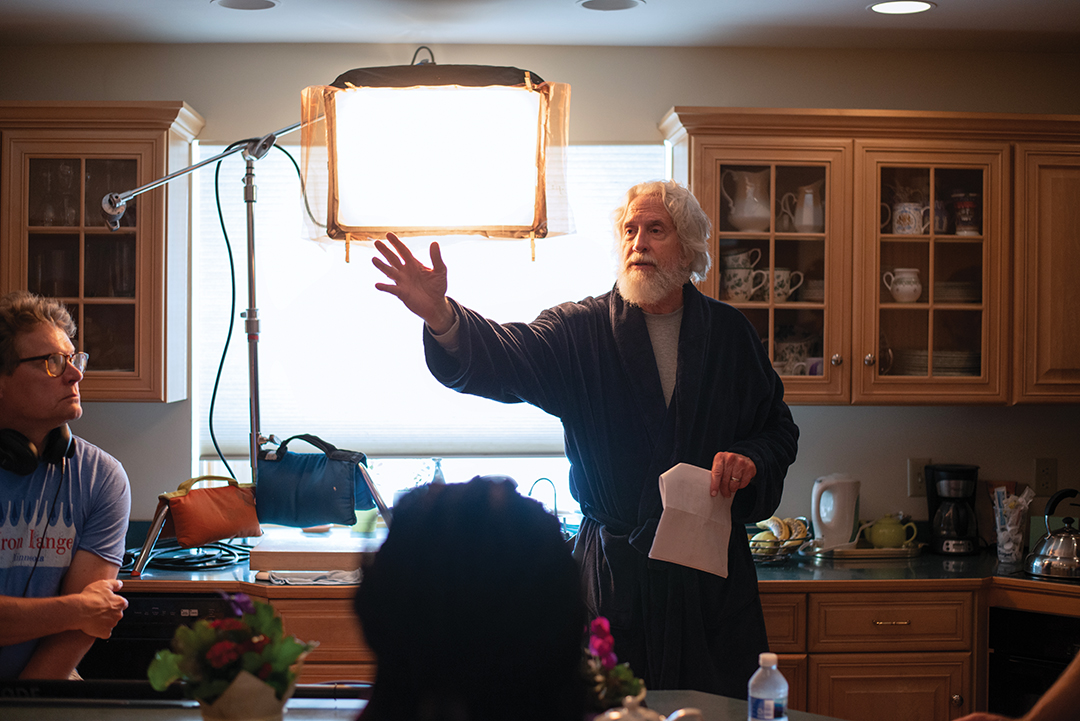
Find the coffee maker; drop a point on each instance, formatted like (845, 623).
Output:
(950, 495)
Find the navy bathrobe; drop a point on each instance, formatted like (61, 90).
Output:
(591, 365)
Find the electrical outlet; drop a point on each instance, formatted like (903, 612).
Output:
(1045, 476)
(916, 476)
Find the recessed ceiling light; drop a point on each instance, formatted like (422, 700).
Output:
(901, 7)
(610, 4)
(247, 4)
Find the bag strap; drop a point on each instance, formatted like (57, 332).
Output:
(332, 452)
(186, 486)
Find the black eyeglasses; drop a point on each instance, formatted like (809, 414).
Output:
(57, 363)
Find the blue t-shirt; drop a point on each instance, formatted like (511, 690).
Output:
(49, 515)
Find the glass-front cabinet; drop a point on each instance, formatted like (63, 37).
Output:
(779, 233)
(125, 288)
(930, 279)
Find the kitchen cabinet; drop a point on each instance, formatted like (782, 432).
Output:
(876, 655)
(1047, 266)
(126, 289)
(342, 654)
(923, 202)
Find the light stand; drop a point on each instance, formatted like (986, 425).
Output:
(114, 204)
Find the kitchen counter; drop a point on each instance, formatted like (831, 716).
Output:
(713, 708)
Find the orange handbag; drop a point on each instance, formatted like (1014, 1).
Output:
(197, 516)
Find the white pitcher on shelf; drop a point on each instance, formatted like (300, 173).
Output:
(749, 209)
(804, 210)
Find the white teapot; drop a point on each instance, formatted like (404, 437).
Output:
(632, 710)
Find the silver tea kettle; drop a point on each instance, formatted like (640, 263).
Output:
(1057, 554)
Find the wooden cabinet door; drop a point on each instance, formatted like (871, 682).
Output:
(1047, 265)
(342, 655)
(793, 666)
(797, 236)
(126, 289)
(890, 686)
(937, 215)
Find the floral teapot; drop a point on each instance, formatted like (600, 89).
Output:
(632, 710)
(748, 209)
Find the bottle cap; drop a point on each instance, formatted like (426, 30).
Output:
(767, 659)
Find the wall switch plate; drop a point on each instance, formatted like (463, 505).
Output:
(916, 476)
(1045, 476)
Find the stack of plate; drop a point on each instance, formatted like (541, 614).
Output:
(946, 363)
(957, 292)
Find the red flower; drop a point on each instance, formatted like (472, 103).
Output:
(223, 653)
(227, 624)
(600, 627)
(264, 671)
(256, 644)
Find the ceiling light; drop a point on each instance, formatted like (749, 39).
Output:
(610, 4)
(247, 4)
(901, 7)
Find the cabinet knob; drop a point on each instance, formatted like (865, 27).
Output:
(869, 359)
(957, 700)
(837, 359)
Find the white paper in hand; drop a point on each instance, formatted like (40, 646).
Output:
(695, 527)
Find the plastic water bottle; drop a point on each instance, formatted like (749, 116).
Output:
(767, 691)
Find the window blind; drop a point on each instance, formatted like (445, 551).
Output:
(344, 361)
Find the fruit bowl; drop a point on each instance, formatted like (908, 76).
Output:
(775, 538)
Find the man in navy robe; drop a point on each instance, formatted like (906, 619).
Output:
(649, 375)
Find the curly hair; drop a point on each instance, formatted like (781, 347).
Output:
(21, 312)
(692, 224)
(473, 607)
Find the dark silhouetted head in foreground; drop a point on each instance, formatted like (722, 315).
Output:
(473, 607)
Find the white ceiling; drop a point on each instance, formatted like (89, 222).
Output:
(1040, 25)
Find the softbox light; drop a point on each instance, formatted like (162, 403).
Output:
(438, 149)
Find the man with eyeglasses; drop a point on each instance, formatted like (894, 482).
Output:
(64, 503)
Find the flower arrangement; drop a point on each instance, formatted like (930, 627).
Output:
(211, 654)
(608, 681)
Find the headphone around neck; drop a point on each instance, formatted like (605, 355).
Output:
(20, 456)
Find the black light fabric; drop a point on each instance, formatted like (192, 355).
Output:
(591, 365)
(406, 76)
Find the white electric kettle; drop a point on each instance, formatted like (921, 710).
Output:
(834, 509)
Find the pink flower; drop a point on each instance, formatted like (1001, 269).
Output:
(600, 627)
(223, 653)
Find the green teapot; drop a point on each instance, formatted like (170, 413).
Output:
(888, 532)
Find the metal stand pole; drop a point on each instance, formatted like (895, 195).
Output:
(251, 317)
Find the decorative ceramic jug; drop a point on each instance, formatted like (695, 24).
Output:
(904, 284)
(749, 209)
(633, 709)
(805, 208)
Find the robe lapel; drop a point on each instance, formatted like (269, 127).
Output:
(638, 362)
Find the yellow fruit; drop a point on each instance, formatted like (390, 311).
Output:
(777, 526)
(763, 543)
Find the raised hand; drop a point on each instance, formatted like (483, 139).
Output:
(420, 288)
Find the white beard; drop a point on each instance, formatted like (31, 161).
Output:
(650, 287)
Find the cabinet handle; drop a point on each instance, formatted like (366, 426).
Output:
(869, 359)
(892, 623)
(837, 359)
(957, 700)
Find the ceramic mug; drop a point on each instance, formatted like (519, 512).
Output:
(791, 368)
(941, 217)
(741, 283)
(815, 366)
(907, 218)
(793, 351)
(966, 208)
(739, 258)
(785, 282)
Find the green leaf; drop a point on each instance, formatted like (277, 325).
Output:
(163, 670)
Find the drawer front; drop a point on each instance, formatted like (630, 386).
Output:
(890, 622)
(331, 622)
(785, 621)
